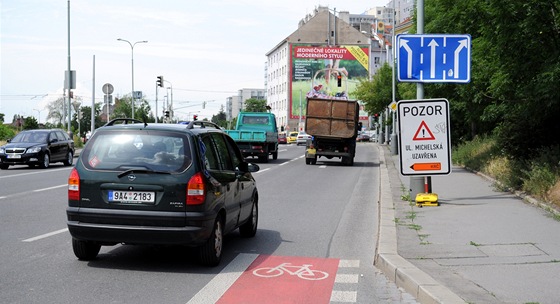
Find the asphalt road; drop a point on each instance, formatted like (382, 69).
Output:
(321, 214)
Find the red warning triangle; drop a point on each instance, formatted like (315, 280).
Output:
(424, 133)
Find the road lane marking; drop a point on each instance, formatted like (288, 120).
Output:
(212, 292)
(36, 190)
(346, 283)
(46, 235)
(50, 188)
(36, 172)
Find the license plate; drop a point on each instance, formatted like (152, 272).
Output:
(14, 156)
(132, 197)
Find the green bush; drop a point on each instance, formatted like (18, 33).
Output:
(543, 172)
(536, 176)
(6, 132)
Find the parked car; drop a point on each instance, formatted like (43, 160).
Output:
(38, 147)
(282, 138)
(302, 138)
(160, 184)
(292, 137)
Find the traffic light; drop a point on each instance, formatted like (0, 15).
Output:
(195, 117)
(166, 113)
(339, 80)
(159, 81)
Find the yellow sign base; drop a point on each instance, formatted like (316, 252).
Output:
(427, 199)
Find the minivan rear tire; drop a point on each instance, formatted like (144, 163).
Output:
(85, 250)
(211, 252)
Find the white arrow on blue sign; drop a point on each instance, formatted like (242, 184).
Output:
(434, 58)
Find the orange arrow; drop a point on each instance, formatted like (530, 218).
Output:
(426, 166)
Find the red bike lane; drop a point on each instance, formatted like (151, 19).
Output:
(282, 279)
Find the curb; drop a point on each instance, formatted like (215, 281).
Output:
(403, 273)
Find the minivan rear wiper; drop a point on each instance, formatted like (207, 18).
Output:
(141, 170)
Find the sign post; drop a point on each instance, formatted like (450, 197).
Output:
(424, 141)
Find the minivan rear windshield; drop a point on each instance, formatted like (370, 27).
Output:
(158, 151)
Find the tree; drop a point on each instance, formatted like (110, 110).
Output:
(85, 119)
(123, 109)
(2, 117)
(220, 118)
(30, 123)
(377, 93)
(514, 91)
(255, 105)
(55, 109)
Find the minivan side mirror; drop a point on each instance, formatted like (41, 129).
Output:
(247, 167)
(253, 167)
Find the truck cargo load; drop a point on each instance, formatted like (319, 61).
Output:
(332, 120)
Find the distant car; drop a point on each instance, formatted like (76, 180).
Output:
(292, 137)
(302, 138)
(282, 138)
(38, 147)
(160, 184)
(363, 137)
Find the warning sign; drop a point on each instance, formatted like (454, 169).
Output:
(424, 139)
(423, 133)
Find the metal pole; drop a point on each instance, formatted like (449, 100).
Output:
(171, 111)
(417, 182)
(299, 124)
(132, 62)
(394, 146)
(69, 80)
(157, 102)
(92, 127)
(132, 97)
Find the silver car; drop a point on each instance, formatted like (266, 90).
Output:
(302, 138)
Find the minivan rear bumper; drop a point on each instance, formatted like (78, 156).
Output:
(196, 231)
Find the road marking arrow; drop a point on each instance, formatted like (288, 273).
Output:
(425, 166)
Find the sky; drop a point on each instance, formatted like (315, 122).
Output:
(205, 50)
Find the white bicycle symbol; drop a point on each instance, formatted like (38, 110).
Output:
(303, 272)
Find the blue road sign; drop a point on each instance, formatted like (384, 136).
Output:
(434, 58)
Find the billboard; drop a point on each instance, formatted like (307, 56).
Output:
(317, 67)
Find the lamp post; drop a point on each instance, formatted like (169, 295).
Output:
(132, 61)
(170, 106)
(39, 119)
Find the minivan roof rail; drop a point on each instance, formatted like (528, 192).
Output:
(124, 121)
(202, 124)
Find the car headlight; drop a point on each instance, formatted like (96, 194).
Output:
(34, 150)
(2, 150)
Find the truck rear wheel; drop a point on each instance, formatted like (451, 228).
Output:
(263, 158)
(275, 155)
(348, 161)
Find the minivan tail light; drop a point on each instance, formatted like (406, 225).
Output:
(196, 191)
(74, 185)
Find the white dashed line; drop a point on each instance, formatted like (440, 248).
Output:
(45, 235)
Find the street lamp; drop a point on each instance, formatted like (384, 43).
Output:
(170, 107)
(39, 115)
(132, 49)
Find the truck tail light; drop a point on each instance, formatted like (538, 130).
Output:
(256, 147)
(74, 185)
(196, 191)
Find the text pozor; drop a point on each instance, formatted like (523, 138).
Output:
(423, 110)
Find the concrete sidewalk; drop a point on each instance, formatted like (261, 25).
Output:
(479, 246)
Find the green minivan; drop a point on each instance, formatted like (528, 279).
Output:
(160, 184)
